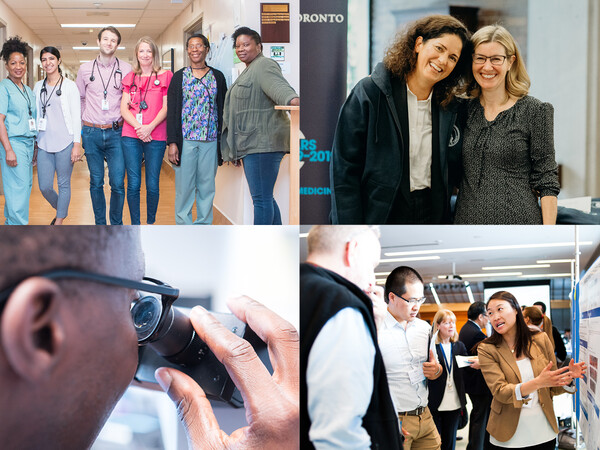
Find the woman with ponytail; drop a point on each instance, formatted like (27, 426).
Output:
(59, 132)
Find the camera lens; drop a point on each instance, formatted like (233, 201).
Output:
(146, 313)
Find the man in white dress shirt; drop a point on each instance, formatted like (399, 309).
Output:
(404, 341)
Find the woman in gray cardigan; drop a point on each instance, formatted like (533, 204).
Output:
(253, 131)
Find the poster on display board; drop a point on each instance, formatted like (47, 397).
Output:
(588, 306)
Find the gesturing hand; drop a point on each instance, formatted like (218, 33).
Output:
(271, 402)
(431, 368)
(576, 370)
(552, 378)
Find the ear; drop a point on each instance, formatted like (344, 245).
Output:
(511, 60)
(418, 44)
(32, 333)
(350, 252)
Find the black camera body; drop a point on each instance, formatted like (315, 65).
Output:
(178, 346)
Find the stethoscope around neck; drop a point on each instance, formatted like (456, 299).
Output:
(118, 72)
(134, 88)
(44, 92)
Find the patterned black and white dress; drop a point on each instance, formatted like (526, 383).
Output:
(507, 163)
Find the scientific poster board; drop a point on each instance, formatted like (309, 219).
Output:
(587, 304)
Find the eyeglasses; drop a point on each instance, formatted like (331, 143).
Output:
(412, 301)
(147, 311)
(196, 47)
(496, 60)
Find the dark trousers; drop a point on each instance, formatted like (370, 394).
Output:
(447, 425)
(550, 445)
(420, 206)
(478, 435)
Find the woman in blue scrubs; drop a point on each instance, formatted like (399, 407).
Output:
(17, 133)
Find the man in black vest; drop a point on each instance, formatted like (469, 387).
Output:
(475, 386)
(344, 395)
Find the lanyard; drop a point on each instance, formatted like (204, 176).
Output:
(27, 99)
(105, 86)
(448, 366)
(46, 103)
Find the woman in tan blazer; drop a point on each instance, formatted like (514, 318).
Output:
(519, 367)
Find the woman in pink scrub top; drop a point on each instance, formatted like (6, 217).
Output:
(144, 109)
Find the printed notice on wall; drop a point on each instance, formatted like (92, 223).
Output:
(275, 22)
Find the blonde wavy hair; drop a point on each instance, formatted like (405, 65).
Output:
(439, 317)
(156, 66)
(517, 80)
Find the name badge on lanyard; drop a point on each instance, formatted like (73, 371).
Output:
(31, 124)
(42, 124)
(105, 106)
(139, 117)
(448, 364)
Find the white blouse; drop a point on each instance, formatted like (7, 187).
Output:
(532, 418)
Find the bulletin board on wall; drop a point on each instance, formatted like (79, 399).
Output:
(586, 338)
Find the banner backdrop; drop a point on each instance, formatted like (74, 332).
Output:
(323, 56)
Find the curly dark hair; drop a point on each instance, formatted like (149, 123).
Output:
(245, 31)
(13, 45)
(401, 59)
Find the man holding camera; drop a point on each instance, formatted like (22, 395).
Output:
(100, 87)
(69, 349)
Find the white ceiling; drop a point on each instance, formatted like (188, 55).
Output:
(44, 17)
(433, 238)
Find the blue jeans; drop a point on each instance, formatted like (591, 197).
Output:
(153, 153)
(261, 171)
(59, 163)
(195, 178)
(100, 145)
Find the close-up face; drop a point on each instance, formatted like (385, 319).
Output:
(106, 356)
(246, 49)
(366, 259)
(108, 43)
(145, 55)
(491, 74)
(50, 63)
(447, 327)
(502, 315)
(17, 65)
(437, 57)
(407, 310)
(196, 50)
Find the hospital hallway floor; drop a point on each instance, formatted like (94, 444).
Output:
(80, 208)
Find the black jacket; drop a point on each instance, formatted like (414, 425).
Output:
(175, 105)
(438, 386)
(322, 294)
(369, 161)
(470, 335)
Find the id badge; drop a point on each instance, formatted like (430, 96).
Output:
(105, 104)
(416, 375)
(139, 117)
(32, 124)
(42, 124)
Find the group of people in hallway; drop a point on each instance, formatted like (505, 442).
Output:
(127, 116)
(374, 375)
(444, 111)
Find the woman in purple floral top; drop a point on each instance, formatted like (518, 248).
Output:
(194, 116)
